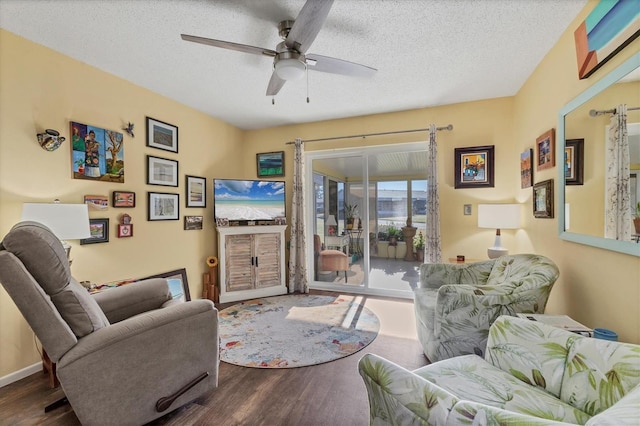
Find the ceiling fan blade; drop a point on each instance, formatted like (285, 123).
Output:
(275, 84)
(229, 45)
(338, 66)
(308, 24)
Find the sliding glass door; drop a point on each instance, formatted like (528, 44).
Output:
(368, 206)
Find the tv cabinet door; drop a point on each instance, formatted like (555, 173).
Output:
(238, 262)
(267, 250)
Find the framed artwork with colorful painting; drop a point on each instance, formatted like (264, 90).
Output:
(96, 153)
(474, 167)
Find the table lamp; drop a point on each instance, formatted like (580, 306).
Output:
(332, 225)
(66, 221)
(498, 216)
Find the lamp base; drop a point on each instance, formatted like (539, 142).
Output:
(495, 252)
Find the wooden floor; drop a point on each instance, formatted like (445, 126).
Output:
(326, 394)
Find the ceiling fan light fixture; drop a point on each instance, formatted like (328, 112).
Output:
(290, 69)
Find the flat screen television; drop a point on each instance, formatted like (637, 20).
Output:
(248, 200)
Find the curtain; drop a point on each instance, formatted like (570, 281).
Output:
(297, 254)
(617, 180)
(432, 242)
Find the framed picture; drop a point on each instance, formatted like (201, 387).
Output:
(526, 168)
(474, 167)
(162, 171)
(96, 202)
(270, 164)
(178, 284)
(162, 206)
(608, 29)
(96, 153)
(543, 199)
(196, 191)
(192, 223)
(546, 150)
(467, 209)
(99, 229)
(123, 199)
(162, 135)
(574, 161)
(125, 230)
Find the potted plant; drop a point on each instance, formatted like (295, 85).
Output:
(418, 243)
(393, 234)
(636, 218)
(350, 212)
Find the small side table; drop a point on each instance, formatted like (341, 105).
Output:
(455, 260)
(49, 368)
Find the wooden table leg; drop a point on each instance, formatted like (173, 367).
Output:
(49, 367)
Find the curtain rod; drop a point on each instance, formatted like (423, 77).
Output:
(594, 112)
(364, 135)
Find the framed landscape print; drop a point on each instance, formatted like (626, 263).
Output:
(546, 150)
(123, 199)
(192, 223)
(526, 168)
(99, 229)
(270, 164)
(196, 191)
(163, 206)
(543, 199)
(162, 135)
(178, 284)
(162, 171)
(574, 161)
(474, 167)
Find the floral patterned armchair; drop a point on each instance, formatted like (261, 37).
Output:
(456, 303)
(532, 374)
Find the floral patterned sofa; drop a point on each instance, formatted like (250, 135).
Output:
(456, 303)
(532, 374)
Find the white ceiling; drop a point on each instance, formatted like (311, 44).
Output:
(427, 52)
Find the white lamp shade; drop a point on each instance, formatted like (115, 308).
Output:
(66, 221)
(499, 216)
(331, 221)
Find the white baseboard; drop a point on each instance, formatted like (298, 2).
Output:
(20, 374)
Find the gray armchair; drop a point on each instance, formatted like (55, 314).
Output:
(125, 357)
(456, 304)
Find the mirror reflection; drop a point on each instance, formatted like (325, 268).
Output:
(594, 207)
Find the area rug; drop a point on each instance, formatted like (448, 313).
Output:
(295, 330)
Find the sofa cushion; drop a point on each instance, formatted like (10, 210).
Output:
(523, 272)
(42, 254)
(599, 373)
(470, 377)
(624, 412)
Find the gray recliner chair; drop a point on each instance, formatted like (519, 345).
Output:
(125, 357)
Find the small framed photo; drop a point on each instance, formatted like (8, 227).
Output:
(474, 167)
(222, 222)
(467, 209)
(123, 199)
(178, 284)
(162, 171)
(574, 162)
(99, 229)
(96, 202)
(125, 230)
(526, 169)
(270, 164)
(196, 191)
(163, 206)
(162, 135)
(543, 199)
(192, 223)
(546, 150)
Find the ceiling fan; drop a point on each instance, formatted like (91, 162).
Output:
(290, 60)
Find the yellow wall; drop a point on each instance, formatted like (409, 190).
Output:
(44, 89)
(596, 287)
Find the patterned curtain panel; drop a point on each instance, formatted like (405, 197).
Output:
(297, 254)
(617, 186)
(432, 247)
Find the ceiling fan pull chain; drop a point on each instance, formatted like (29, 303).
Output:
(306, 69)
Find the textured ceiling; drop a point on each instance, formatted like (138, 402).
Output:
(427, 52)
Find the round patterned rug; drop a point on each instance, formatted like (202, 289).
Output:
(294, 331)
